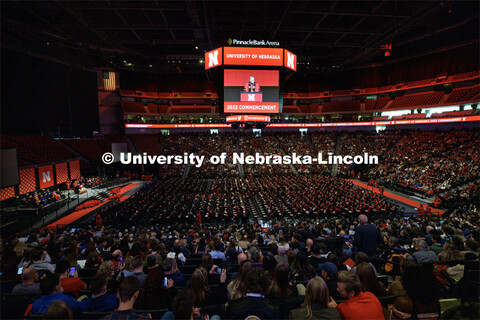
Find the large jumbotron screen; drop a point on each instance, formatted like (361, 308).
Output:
(251, 91)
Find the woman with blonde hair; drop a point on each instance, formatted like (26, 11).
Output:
(315, 305)
(450, 254)
(108, 270)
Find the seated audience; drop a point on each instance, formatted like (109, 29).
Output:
(301, 270)
(315, 306)
(254, 303)
(152, 262)
(316, 257)
(100, 300)
(93, 260)
(369, 280)
(216, 253)
(422, 296)
(183, 307)
(52, 291)
(39, 262)
(451, 253)
(138, 269)
(29, 285)
(154, 294)
(422, 253)
(281, 254)
(58, 310)
(359, 305)
(281, 287)
(171, 272)
(329, 271)
(108, 270)
(268, 264)
(203, 294)
(396, 287)
(127, 295)
(68, 281)
(363, 257)
(237, 288)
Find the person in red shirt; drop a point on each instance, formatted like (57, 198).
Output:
(382, 190)
(360, 305)
(436, 202)
(67, 281)
(98, 220)
(428, 211)
(420, 210)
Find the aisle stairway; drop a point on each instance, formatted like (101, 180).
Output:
(282, 150)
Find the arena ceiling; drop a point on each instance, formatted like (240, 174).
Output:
(173, 35)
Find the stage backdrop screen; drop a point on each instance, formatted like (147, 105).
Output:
(9, 168)
(251, 91)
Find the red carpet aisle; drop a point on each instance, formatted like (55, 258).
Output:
(81, 213)
(74, 216)
(128, 187)
(394, 196)
(124, 198)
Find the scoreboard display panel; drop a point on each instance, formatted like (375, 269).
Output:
(251, 91)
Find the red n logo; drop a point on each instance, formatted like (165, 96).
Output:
(213, 58)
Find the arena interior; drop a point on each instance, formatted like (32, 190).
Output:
(240, 160)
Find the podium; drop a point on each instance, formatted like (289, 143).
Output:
(251, 96)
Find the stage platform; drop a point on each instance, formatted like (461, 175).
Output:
(131, 187)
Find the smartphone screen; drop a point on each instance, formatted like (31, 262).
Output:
(165, 281)
(72, 271)
(20, 270)
(219, 271)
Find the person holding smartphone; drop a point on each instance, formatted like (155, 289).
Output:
(29, 283)
(203, 294)
(158, 292)
(69, 279)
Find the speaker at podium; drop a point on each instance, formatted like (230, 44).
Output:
(252, 92)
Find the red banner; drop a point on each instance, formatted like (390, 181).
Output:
(251, 96)
(7, 193)
(290, 61)
(311, 125)
(246, 118)
(45, 176)
(74, 169)
(27, 180)
(213, 58)
(61, 170)
(247, 107)
(247, 56)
